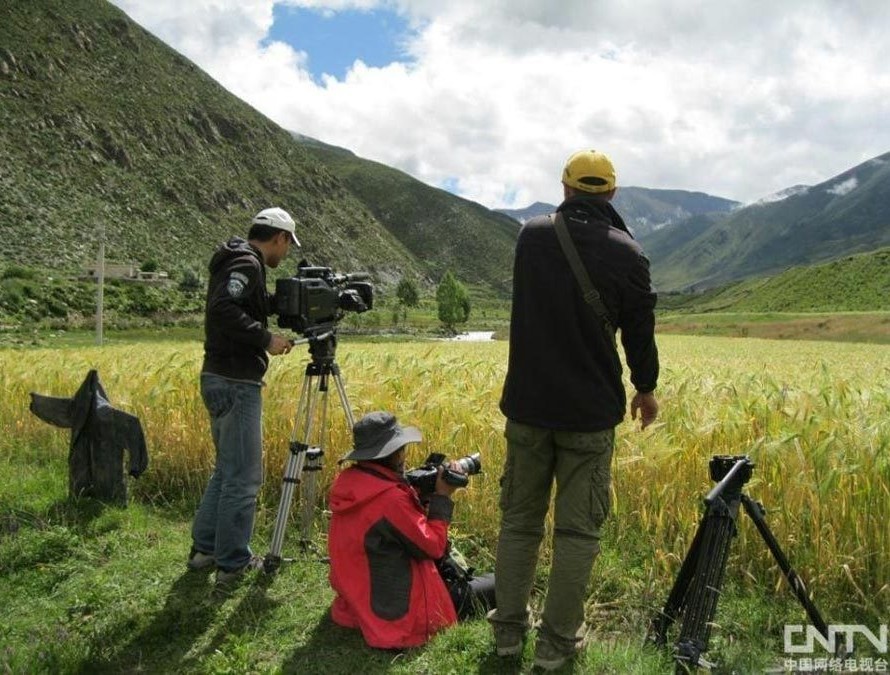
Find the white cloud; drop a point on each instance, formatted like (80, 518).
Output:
(844, 187)
(738, 99)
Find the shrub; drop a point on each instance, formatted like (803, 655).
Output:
(19, 272)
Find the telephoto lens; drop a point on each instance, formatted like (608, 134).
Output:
(471, 464)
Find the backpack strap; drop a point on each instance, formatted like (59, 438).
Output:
(591, 295)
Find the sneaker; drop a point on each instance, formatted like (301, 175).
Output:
(508, 639)
(550, 657)
(200, 561)
(229, 577)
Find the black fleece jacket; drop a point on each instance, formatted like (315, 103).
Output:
(236, 314)
(563, 372)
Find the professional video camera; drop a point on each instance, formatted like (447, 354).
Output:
(316, 297)
(423, 478)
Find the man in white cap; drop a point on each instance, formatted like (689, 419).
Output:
(563, 397)
(236, 348)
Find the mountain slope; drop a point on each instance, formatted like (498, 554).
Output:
(442, 231)
(847, 214)
(679, 233)
(102, 123)
(857, 283)
(529, 212)
(646, 210)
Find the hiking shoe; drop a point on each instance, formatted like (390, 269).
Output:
(200, 561)
(508, 639)
(550, 657)
(226, 578)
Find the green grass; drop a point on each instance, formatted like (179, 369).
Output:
(94, 588)
(60, 311)
(867, 327)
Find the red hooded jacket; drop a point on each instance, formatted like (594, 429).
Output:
(383, 548)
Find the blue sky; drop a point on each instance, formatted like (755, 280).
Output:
(333, 41)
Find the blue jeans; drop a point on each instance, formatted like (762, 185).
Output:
(224, 521)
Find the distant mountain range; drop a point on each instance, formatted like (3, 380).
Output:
(695, 241)
(646, 210)
(846, 214)
(104, 126)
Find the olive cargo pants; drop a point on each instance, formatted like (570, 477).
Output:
(581, 465)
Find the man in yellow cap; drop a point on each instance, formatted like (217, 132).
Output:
(563, 397)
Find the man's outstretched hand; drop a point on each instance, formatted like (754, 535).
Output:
(279, 345)
(646, 406)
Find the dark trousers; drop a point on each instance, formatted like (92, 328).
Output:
(580, 465)
(472, 595)
(473, 599)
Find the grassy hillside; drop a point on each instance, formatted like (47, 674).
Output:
(846, 300)
(858, 283)
(101, 123)
(675, 236)
(442, 231)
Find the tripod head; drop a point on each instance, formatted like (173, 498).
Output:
(322, 341)
(730, 472)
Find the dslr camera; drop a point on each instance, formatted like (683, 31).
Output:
(318, 298)
(423, 478)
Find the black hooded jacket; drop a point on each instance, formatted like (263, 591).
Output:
(99, 436)
(236, 314)
(564, 372)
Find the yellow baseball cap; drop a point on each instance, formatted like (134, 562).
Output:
(589, 171)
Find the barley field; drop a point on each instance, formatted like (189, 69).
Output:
(813, 416)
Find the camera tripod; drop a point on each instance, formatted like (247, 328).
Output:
(310, 422)
(697, 588)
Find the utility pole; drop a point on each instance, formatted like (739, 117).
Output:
(100, 295)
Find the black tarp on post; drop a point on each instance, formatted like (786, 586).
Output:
(99, 436)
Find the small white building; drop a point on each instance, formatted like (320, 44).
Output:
(125, 272)
(112, 271)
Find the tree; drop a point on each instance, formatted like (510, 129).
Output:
(407, 293)
(191, 282)
(149, 266)
(453, 300)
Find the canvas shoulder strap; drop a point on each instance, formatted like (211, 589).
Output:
(589, 292)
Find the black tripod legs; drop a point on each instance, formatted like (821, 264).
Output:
(756, 512)
(719, 528)
(696, 590)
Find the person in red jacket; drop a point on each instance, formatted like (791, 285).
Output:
(384, 544)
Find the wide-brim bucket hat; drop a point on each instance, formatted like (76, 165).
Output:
(378, 435)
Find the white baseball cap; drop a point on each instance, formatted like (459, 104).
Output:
(279, 219)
